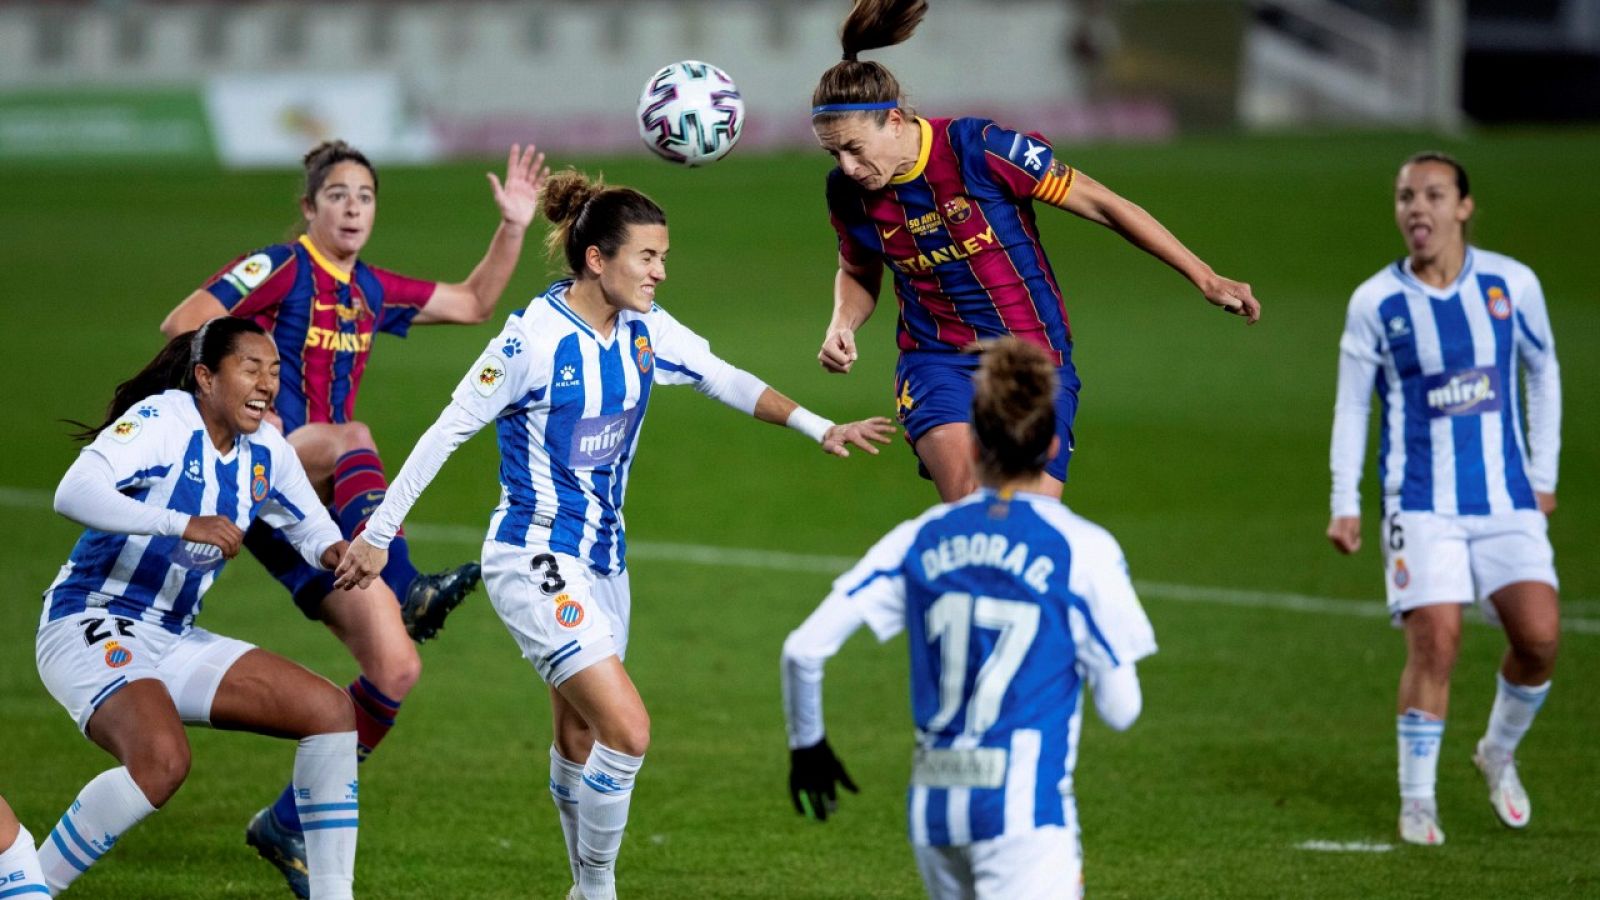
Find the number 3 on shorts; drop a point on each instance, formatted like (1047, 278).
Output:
(545, 564)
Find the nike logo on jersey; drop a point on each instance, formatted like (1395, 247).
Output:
(890, 232)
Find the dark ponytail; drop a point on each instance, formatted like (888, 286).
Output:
(1013, 409)
(584, 214)
(871, 24)
(174, 367)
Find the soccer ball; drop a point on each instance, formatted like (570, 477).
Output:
(690, 113)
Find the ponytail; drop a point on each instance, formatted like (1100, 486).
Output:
(852, 85)
(584, 214)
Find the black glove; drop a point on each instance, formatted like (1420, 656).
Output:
(813, 771)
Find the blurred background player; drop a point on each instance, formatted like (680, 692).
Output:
(323, 305)
(182, 464)
(20, 875)
(1010, 602)
(947, 204)
(1466, 494)
(567, 384)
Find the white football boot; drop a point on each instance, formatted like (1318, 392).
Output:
(1419, 823)
(1506, 794)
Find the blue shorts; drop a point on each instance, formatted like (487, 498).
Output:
(935, 388)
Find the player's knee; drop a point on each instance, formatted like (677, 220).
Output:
(396, 671)
(332, 712)
(1538, 654)
(160, 767)
(1434, 651)
(355, 436)
(630, 734)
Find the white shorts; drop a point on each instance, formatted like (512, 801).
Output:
(1431, 558)
(1042, 864)
(86, 657)
(563, 616)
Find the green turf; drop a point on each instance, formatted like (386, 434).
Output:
(1202, 445)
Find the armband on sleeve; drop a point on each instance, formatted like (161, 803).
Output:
(1056, 184)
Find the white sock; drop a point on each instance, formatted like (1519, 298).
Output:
(1420, 735)
(566, 777)
(602, 815)
(106, 807)
(1515, 705)
(20, 875)
(325, 790)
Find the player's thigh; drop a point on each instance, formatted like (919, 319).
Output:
(319, 446)
(195, 668)
(548, 601)
(946, 872)
(86, 658)
(264, 693)
(1426, 561)
(1042, 864)
(367, 621)
(1509, 548)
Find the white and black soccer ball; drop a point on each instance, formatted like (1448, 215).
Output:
(690, 113)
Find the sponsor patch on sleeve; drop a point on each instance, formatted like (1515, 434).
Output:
(251, 271)
(125, 429)
(488, 375)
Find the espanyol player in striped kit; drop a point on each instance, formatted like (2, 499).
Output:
(182, 465)
(20, 875)
(566, 385)
(1445, 335)
(948, 206)
(323, 307)
(1010, 602)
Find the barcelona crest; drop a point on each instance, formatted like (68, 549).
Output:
(956, 210)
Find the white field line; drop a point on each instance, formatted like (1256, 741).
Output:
(1344, 847)
(823, 564)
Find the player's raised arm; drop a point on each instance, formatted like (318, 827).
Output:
(472, 301)
(1089, 199)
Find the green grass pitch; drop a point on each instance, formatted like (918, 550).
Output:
(1201, 444)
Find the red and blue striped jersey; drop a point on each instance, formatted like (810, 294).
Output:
(958, 231)
(321, 319)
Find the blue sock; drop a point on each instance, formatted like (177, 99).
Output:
(283, 810)
(398, 573)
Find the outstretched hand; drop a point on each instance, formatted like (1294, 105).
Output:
(1233, 297)
(518, 197)
(813, 772)
(861, 434)
(361, 564)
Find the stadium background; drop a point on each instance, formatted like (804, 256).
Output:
(1202, 446)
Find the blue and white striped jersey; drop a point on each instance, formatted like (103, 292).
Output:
(1445, 362)
(568, 406)
(1008, 605)
(159, 454)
